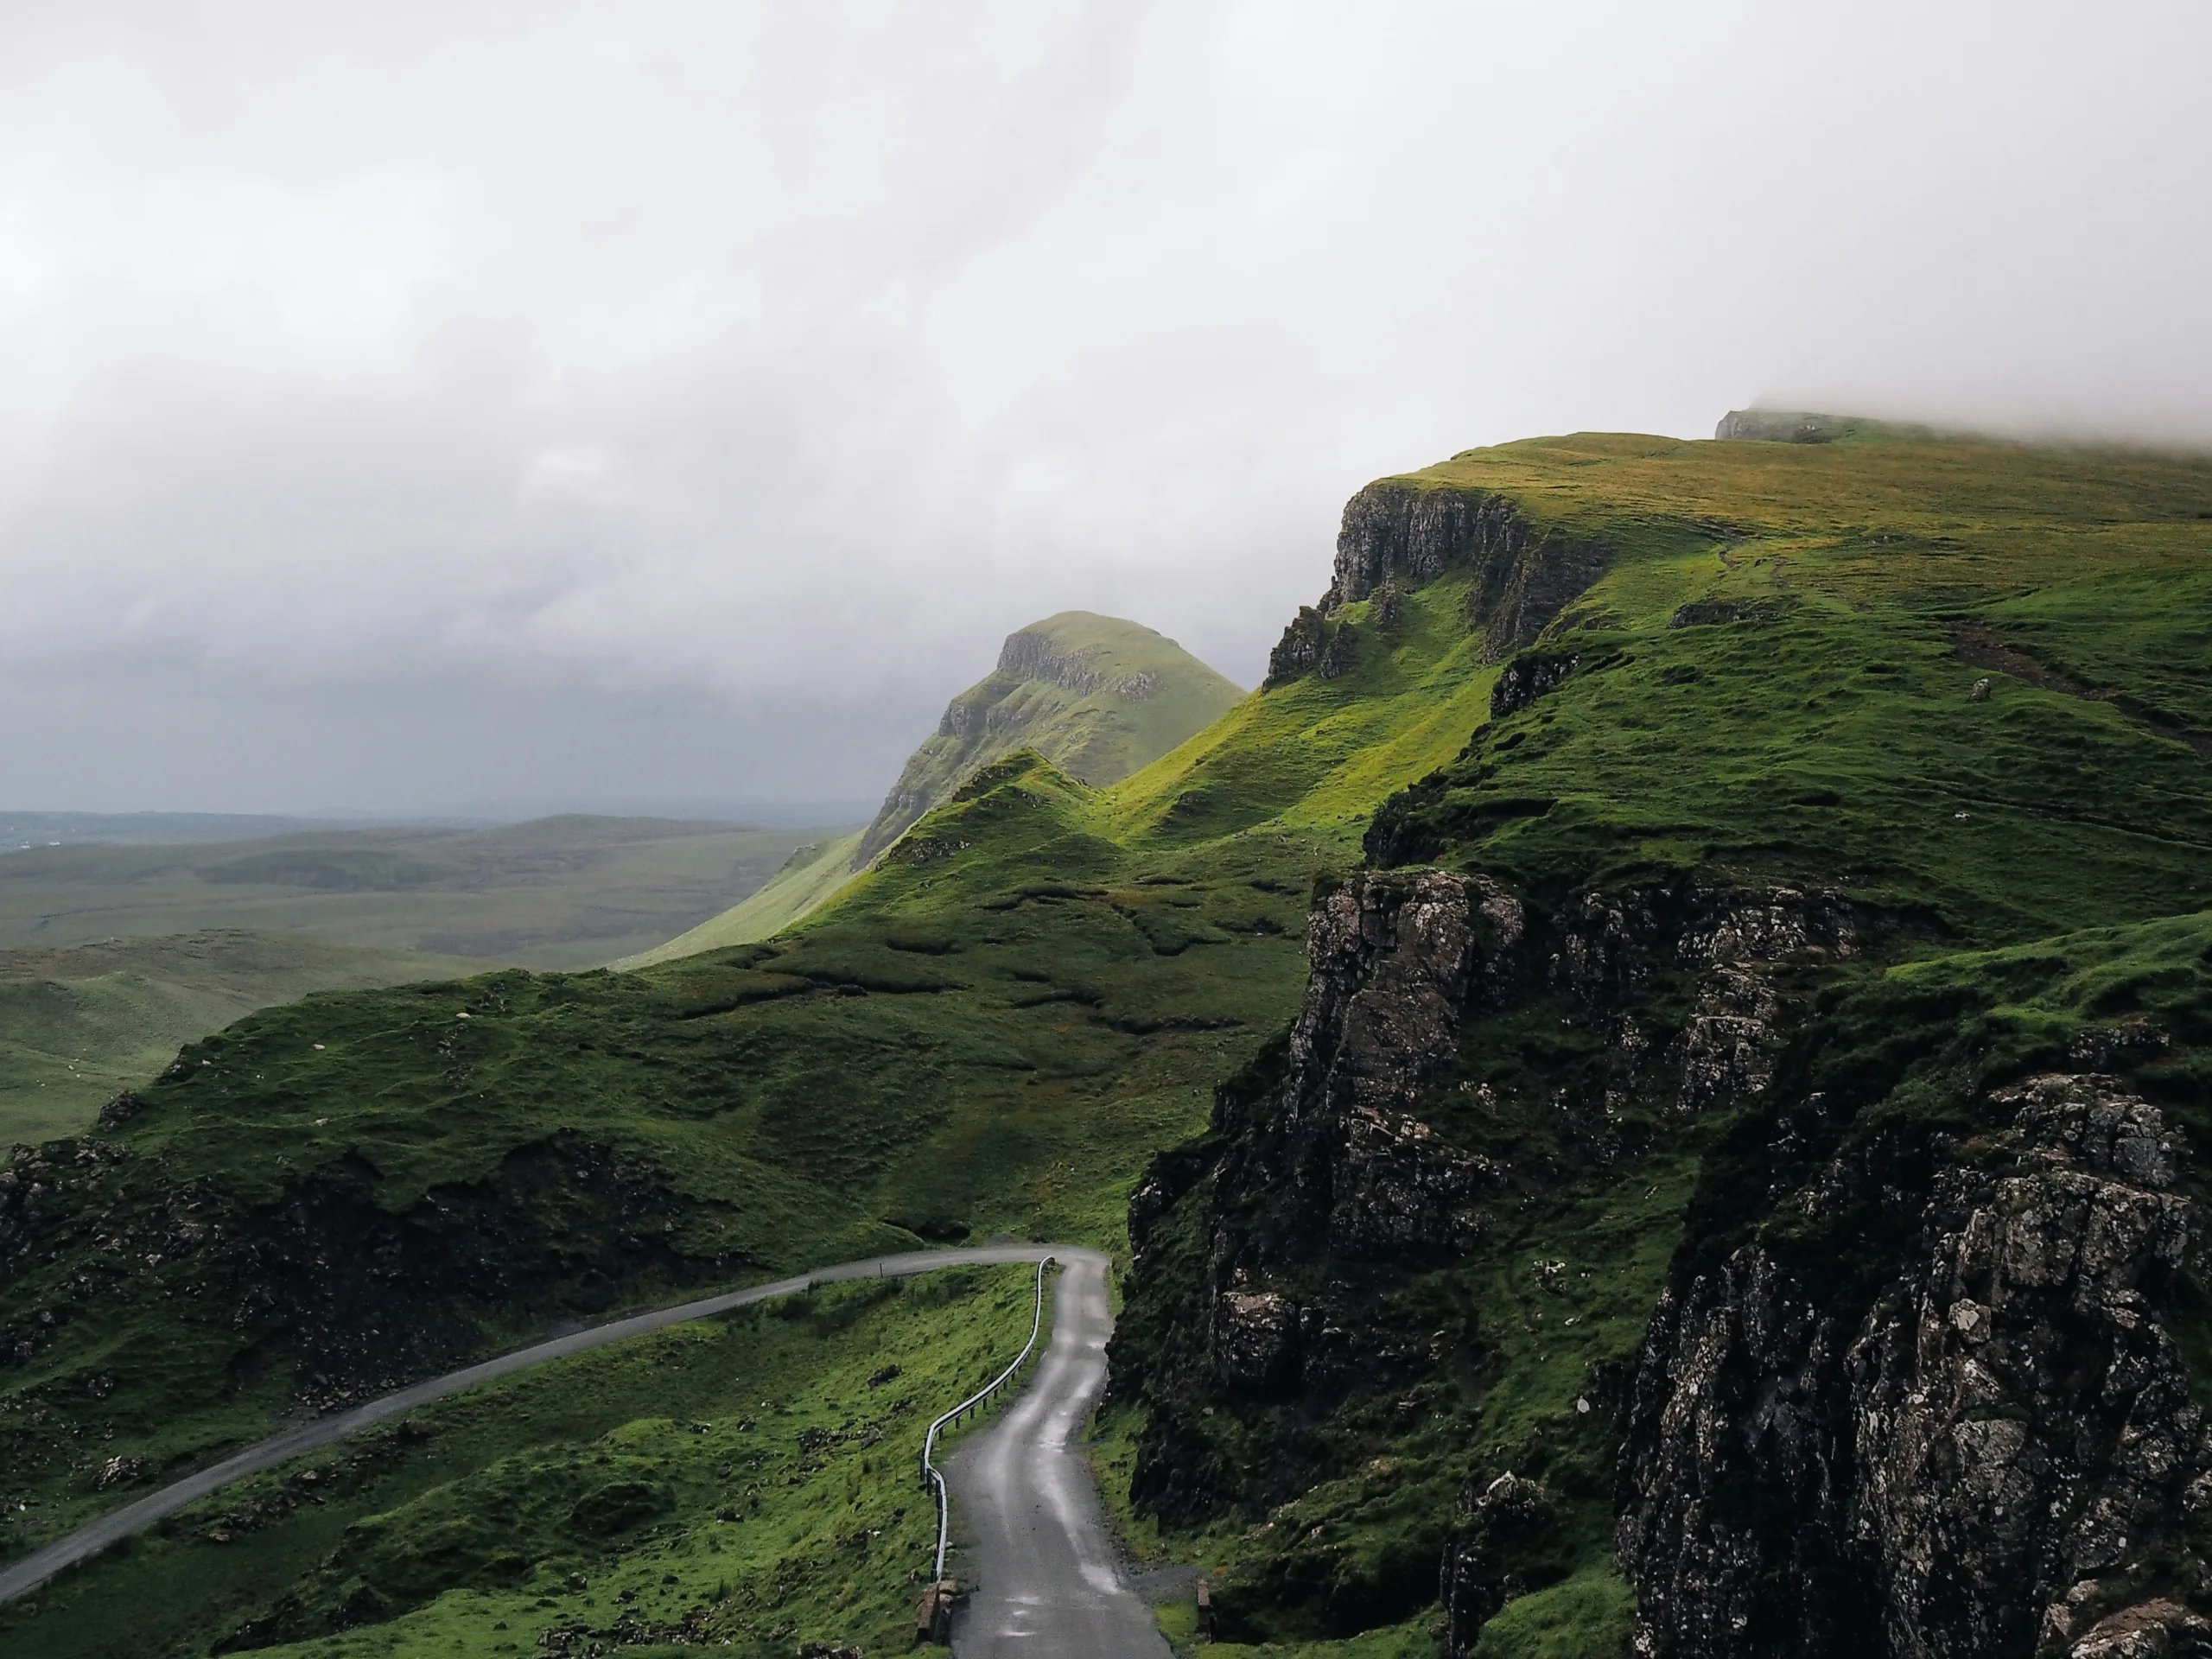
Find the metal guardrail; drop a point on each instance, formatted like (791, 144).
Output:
(931, 1473)
(20, 1577)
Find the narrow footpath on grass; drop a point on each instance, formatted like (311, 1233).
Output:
(22, 1577)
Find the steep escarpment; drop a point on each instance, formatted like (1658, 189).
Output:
(1936, 1397)
(1668, 1224)
(1583, 1213)
(1315, 1278)
(1400, 534)
(1095, 695)
(1926, 1375)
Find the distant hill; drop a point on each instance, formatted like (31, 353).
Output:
(80, 1024)
(1098, 696)
(21, 830)
(809, 876)
(120, 948)
(567, 891)
(1095, 695)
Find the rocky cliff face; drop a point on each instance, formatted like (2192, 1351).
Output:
(1397, 535)
(1916, 1383)
(1416, 1111)
(1997, 1450)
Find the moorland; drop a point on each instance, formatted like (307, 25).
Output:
(1664, 893)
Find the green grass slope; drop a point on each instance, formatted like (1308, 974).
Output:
(1041, 984)
(80, 1024)
(565, 891)
(1953, 684)
(1095, 695)
(1776, 680)
(808, 878)
(993, 1030)
(746, 1484)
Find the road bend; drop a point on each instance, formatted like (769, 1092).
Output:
(22, 1577)
(1047, 1578)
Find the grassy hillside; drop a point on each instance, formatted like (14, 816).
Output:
(554, 892)
(1095, 695)
(1950, 688)
(1772, 681)
(744, 1483)
(80, 1024)
(809, 877)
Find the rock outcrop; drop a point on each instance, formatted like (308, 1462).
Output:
(1366, 1150)
(1399, 535)
(1916, 1385)
(1990, 1448)
(354, 1298)
(1529, 676)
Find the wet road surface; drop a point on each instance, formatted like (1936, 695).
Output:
(23, 1576)
(1033, 1539)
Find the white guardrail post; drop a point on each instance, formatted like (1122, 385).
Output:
(931, 1473)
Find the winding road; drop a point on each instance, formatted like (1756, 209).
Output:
(1045, 1572)
(1045, 1575)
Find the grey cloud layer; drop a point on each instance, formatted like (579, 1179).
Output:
(736, 360)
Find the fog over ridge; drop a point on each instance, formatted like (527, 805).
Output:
(561, 401)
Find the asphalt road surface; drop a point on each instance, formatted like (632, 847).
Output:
(1033, 1539)
(35, 1569)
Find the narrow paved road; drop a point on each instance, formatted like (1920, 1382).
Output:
(33, 1570)
(1048, 1579)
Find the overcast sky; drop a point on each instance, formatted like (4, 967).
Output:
(414, 406)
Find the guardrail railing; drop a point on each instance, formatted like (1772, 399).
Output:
(933, 1475)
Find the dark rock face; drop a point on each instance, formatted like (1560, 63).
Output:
(1341, 1168)
(1528, 677)
(120, 1110)
(1312, 644)
(1299, 652)
(1399, 531)
(1398, 535)
(1915, 1386)
(1478, 1575)
(1999, 1454)
(353, 1298)
(1401, 534)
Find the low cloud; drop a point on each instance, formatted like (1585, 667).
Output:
(525, 375)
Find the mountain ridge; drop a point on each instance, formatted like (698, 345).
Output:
(1127, 695)
(1462, 1040)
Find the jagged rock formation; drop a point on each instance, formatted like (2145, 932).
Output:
(1399, 535)
(1932, 1402)
(1366, 1148)
(1529, 676)
(1095, 695)
(1997, 1452)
